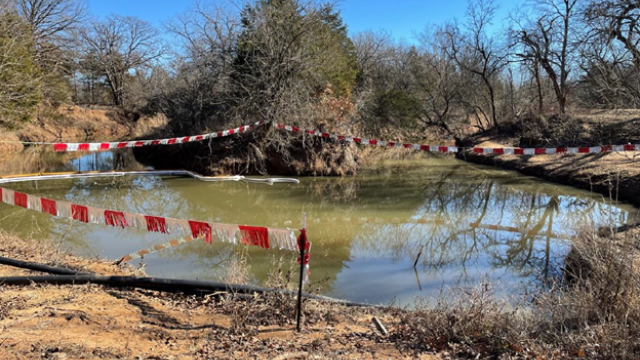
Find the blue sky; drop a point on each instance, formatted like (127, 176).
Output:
(401, 18)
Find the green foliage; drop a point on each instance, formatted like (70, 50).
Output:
(20, 85)
(56, 88)
(335, 53)
(288, 46)
(398, 107)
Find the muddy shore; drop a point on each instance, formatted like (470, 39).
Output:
(614, 175)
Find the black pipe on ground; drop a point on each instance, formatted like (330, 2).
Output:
(189, 287)
(195, 287)
(38, 267)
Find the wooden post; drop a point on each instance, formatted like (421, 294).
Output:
(299, 312)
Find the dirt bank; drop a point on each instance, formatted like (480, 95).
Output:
(614, 175)
(261, 151)
(70, 123)
(8, 144)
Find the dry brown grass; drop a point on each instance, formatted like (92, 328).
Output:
(595, 313)
(7, 144)
(606, 115)
(147, 125)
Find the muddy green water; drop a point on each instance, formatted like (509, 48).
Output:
(366, 231)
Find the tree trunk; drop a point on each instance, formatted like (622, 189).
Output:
(536, 72)
(492, 98)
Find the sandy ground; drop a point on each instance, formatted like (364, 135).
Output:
(614, 175)
(69, 123)
(95, 322)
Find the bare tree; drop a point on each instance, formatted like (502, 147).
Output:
(475, 51)
(51, 22)
(371, 49)
(374, 55)
(118, 46)
(48, 18)
(547, 41)
(207, 36)
(438, 79)
(617, 20)
(610, 54)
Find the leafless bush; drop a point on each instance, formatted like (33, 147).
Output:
(476, 320)
(595, 313)
(236, 271)
(276, 308)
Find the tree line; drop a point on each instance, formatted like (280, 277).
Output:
(292, 60)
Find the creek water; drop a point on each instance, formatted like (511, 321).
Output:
(471, 224)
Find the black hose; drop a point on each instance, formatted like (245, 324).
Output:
(38, 267)
(190, 287)
(196, 287)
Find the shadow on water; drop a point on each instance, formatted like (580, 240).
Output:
(469, 223)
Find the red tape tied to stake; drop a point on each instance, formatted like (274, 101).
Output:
(71, 147)
(455, 149)
(266, 238)
(303, 241)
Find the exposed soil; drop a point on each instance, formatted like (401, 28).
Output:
(95, 322)
(258, 152)
(614, 175)
(69, 123)
(8, 144)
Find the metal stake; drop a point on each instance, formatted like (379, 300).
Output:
(304, 226)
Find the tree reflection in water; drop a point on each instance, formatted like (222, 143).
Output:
(468, 222)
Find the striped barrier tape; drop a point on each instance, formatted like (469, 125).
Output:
(456, 149)
(266, 238)
(103, 146)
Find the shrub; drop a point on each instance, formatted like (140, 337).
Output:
(20, 88)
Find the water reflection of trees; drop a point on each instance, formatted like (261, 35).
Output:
(439, 206)
(453, 238)
(39, 159)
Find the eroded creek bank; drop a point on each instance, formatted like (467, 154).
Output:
(261, 151)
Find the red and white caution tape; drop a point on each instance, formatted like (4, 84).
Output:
(372, 142)
(557, 150)
(455, 149)
(267, 238)
(68, 147)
